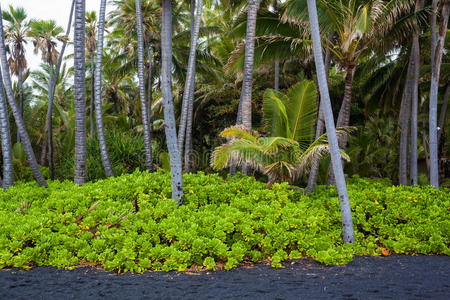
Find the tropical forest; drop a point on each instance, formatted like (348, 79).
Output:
(174, 135)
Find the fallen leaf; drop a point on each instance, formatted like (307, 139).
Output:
(384, 252)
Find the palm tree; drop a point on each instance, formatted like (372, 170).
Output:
(16, 111)
(15, 35)
(189, 87)
(141, 77)
(166, 89)
(79, 92)
(8, 170)
(98, 93)
(45, 35)
(91, 44)
(436, 67)
(346, 214)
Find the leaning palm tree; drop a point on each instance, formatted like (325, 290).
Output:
(346, 213)
(16, 111)
(45, 35)
(8, 170)
(79, 92)
(16, 37)
(98, 93)
(166, 89)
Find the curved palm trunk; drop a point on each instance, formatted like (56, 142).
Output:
(91, 110)
(98, 93)
(8, 170)
(313, 174)
(150, 97)
(80, 93)
(405, 116)
(49, 122)
(346, 214)
(16, 112)
(166, 89)
(434, 167)
(147, 142)
(191, 74)
(20, 84)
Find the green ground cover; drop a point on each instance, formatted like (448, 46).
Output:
(130, 223)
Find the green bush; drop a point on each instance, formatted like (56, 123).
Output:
(129, 223)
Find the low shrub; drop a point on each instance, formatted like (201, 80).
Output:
(129, 223)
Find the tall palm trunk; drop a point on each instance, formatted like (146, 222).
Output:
(405, 116)
(80, 92)
(98, 93)
(20, 84)
(415, 101)
(8, 171)
(147, 142)
(346, 214)
(313, 174)
(49, 122)
(166, 89)
(249, 56)
(91, 110)
(150, 96)
(277, 61)
(436, 68)
(16, 111)
(191, 84)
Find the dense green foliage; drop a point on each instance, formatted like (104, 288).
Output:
(129, 223)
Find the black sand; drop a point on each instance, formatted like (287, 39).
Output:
(392, 277)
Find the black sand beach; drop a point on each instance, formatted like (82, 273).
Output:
(392, 277)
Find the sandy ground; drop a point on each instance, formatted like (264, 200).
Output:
(392, 277)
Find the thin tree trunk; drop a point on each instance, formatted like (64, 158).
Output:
(443, 113)
(49, 122)
(147, 142)
(277, 61)
(313, 174)
(150, 98)
(433, 17)
(16, 111)
(191, 74)
(20, 84)
(80, 92)
(91, 110)
(98, 93)
(405, 116)
(425, 147)
(8, 170)
(346, 213)
(415, 101)
(166, 89)
(434, 166)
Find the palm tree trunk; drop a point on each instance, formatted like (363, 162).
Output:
(405, 116)
(16, 111)
(346, 213)
(443, 113)
(313, 174)
(166, 89)
(20, 84)
(80, 92)
(344, 114)
(8, 170)
(49, 122)
(277, 61)
(191, 82)
(150, 97)
(434, 167)
(147, 142)
(415, 101)
(91, 110)
(98, 93)
(433, 17)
